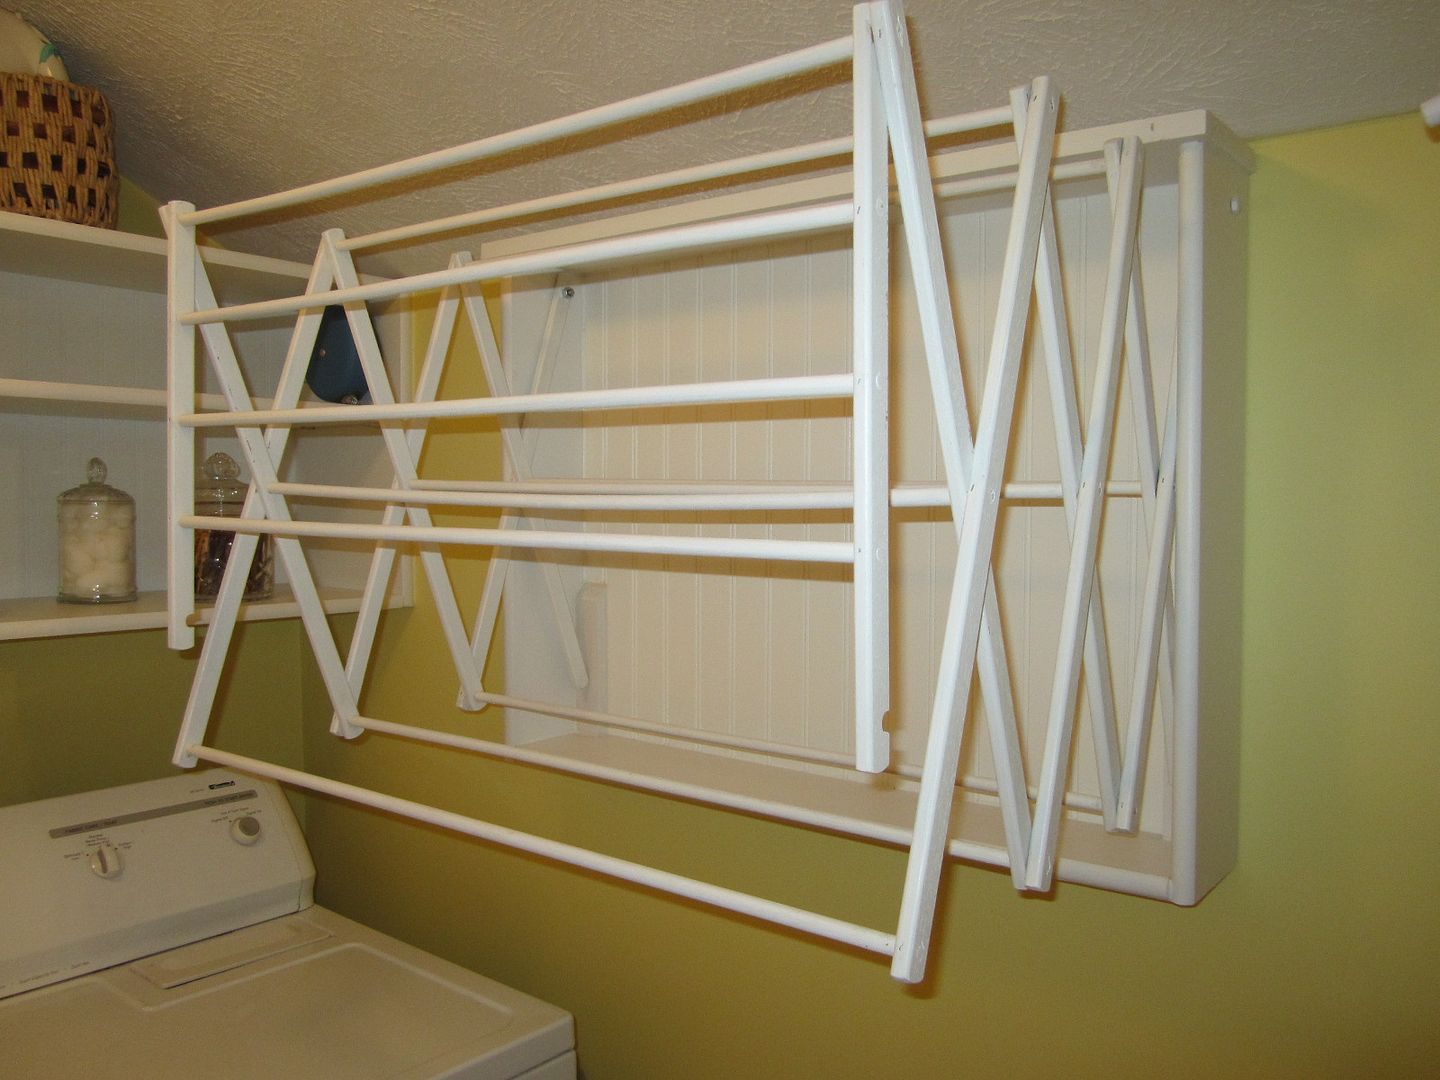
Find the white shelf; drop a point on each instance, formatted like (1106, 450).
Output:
(84, 399)
(84, 254)
(81, 372)
(44, 616)
(880, 808)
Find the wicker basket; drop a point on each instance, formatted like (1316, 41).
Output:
(57, 151)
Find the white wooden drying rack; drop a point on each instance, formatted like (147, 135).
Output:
(887, 127)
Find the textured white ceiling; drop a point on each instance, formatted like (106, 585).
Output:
(219, 100)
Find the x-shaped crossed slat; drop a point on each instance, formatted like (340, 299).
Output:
(974, 474)
(520, 451)
(262, 452)
(333, 267)
(1081, 630)
(403, 461)
(1121, 777)
(382, 562)
(519, 447)
(1157, 614)
(1064, 408)
(1156, 464)
(979, 468)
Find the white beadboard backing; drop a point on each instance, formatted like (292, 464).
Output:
(764, 653)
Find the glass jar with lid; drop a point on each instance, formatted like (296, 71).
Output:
(219, 493)
(97, 541)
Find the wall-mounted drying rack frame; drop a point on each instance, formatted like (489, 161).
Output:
(887, 129)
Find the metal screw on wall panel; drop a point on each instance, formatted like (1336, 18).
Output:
(567, 292)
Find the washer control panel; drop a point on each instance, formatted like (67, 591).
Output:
(107, 876)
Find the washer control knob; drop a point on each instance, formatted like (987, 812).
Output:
(245, 830)
(105, 862)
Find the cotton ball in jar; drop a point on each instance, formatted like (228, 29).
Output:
(97, 541)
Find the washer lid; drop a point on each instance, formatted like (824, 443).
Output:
(355, 1004)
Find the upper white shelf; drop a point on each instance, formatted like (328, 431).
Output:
(129, 386)
(89, 399)
(44, 616)
(82, 253)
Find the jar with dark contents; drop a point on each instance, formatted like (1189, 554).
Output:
(219, 493)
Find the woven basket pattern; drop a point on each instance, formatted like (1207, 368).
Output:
(57, 151)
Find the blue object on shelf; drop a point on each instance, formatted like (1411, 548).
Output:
(335, 373)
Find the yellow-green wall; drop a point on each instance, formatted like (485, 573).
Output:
(78, 713)
(139, 212)
(1318, 957)
(94, 711)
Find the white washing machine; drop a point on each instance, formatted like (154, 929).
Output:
(166, 929)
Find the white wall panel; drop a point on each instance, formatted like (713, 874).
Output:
(764, 651)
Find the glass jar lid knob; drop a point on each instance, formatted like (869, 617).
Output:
(218, 466)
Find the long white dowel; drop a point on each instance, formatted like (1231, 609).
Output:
(717, 547)
(901, 495)
(683, 238)
(676, 178)
(768, 910)
(780, 67)
(792, 388)
(639, 496)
